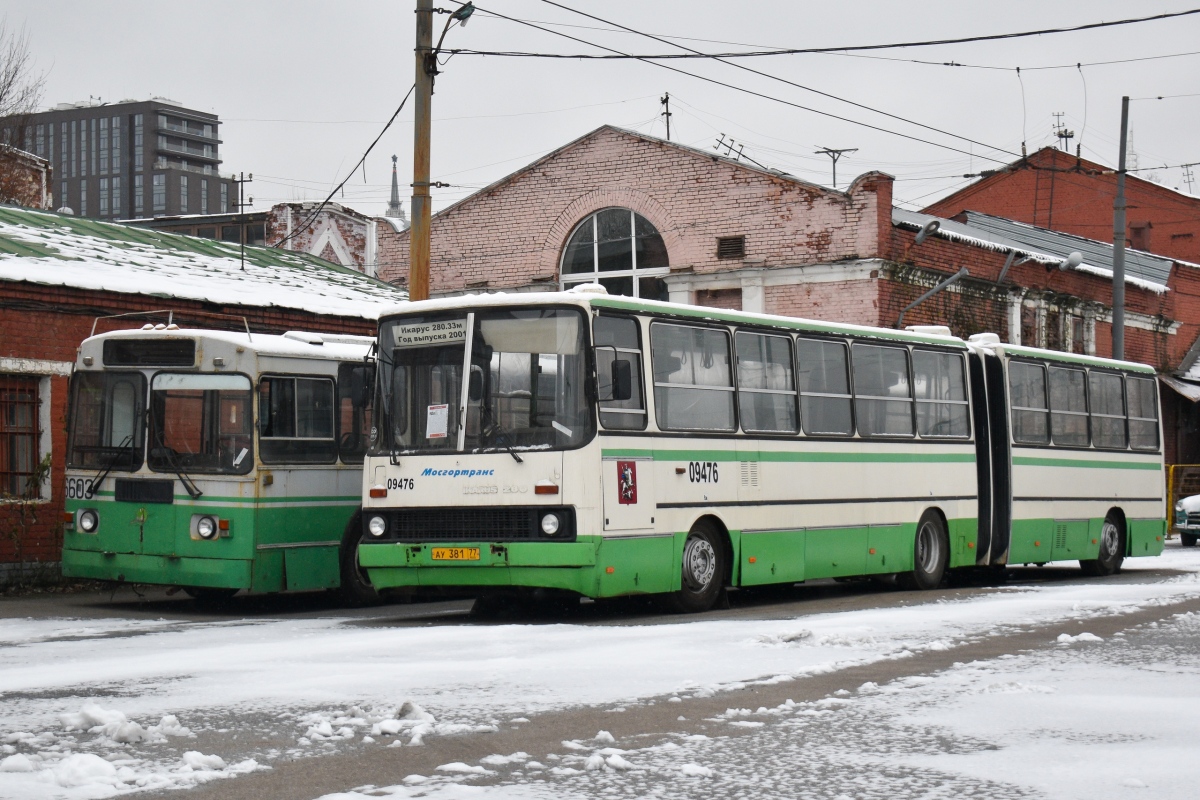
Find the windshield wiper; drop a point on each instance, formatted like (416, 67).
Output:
(94, 485)
(188, 484)
(498, 432)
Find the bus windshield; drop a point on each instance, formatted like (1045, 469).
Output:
(200, 423)
(525, 387)
(107, 427)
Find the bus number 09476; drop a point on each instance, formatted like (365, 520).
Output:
(702, 471)
(405, 484)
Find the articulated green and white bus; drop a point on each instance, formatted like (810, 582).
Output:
(218, 461)
(609, 446)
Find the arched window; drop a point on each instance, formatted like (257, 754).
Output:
(620, 250)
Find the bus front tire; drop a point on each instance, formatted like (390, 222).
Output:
(703, 571)
(1112, 550)
(1187, 539)
(931, 552)
(355, 589)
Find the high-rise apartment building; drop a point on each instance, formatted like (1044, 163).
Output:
(129, 159)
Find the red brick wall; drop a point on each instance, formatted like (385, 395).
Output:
(513, 235)
(1082, 203)
(49, 323)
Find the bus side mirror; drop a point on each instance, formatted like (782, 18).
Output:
(622, 379)
(475, 385)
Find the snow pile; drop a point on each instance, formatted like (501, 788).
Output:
(118, 727)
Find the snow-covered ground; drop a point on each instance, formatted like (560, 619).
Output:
(96, 708)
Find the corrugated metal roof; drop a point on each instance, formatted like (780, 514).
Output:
(57, 250)
(1139, 264)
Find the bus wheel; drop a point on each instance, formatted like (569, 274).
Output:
(703, 572)
(1187, 539)
(1112, 550)
(355, 590)
(931, 551)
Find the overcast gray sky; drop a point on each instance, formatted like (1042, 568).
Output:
(304, 86)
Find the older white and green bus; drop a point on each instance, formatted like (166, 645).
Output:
(608, 446)
(218, 461)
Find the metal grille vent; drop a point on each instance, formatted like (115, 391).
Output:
(474, 525)
(750, 474)
(731, 247)
(1060, 536)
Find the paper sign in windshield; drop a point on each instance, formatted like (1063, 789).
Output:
(424, 334)
(435, 421)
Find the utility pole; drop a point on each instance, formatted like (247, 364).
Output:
(418, 238)
(834, 155)
(1118, 291)
(241, 181)
(666, 113)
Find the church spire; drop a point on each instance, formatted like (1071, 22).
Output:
(394, 209)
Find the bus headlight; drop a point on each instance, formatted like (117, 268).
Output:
(206, 528)
(550, 524)
(377, 526)
(88, 521)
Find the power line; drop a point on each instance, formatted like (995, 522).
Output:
(325, 202)
(798, 51)
(754, 93)
(781, 80)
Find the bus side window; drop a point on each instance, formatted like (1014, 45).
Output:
(766, 383)
(616, 340)
(355, 387)
(1068, 407)
(1027, 393)
(941, 393)
(1108, 409)
(693, 379)
(1143, 413)
(295, 421)
(882, 392)
(823, 370)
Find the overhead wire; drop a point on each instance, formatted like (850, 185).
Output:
(781, 80)
(761, 95)
(308, 220)
(800, 50)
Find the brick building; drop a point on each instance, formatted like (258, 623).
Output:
(25, 179)
(1056, 190)
(58, 274)
(336, 233)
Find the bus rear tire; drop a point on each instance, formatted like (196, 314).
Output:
(1112, 550)
(703, 571)
(355, 589)
(931, 552)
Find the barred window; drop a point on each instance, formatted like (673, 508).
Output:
(19, 436)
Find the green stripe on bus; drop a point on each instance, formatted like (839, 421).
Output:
(768, 455)
(1027, 461)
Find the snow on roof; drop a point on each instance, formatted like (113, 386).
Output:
(1143, 270)
(56, 250)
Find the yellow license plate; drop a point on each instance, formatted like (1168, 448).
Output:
(456, 554)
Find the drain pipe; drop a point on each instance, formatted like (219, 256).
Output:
(953, 279)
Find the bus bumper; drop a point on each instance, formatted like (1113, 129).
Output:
(216, 573)
(594, 568)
